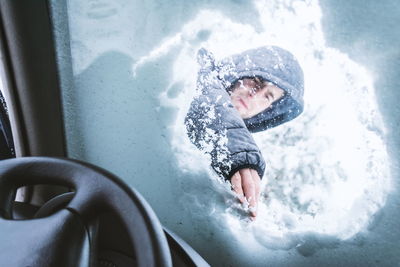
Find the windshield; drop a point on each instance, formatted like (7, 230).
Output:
(129, 71)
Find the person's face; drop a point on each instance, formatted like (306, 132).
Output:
(251, 96)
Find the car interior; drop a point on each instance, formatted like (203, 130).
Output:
(96, 168)
(56, 211)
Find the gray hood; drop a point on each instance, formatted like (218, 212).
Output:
(276, 65)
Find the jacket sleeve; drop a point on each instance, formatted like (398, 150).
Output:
(215, 126)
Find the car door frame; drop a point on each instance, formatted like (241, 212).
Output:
(31, 84)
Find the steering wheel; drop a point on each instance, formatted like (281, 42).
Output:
(64, 238)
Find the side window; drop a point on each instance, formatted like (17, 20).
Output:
(6, 139)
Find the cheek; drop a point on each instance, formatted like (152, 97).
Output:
(234, 100)
(260, 105)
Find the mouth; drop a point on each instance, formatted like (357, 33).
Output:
(243, 103)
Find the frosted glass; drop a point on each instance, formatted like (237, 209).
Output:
(128, 74)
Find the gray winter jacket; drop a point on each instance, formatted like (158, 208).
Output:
(215, 126)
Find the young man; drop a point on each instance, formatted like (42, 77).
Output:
(248, 92)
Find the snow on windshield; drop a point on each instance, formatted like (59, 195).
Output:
(327, 170)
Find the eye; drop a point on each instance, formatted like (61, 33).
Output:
(269, 97)
(252, 90)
